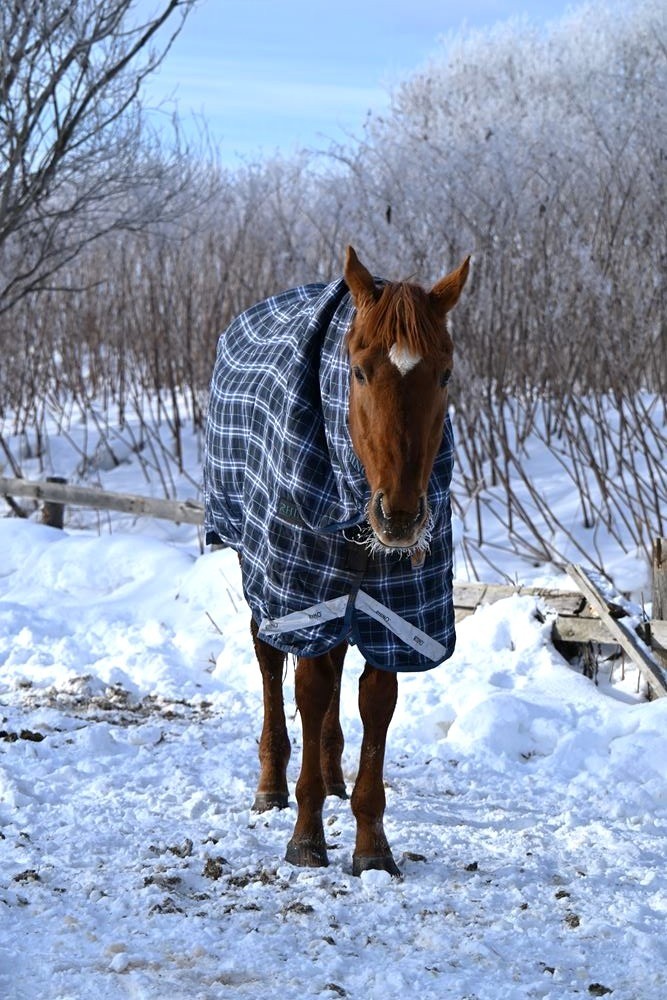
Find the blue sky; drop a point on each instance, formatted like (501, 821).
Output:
(267, 75)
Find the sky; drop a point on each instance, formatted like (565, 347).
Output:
(278, 75)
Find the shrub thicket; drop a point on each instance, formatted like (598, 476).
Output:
(543, 154)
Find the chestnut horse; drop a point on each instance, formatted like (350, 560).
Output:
(400, 357)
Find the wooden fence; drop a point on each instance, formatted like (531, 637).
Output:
(58, 492)
(581, 616)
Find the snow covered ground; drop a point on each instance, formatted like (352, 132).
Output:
(527, 807)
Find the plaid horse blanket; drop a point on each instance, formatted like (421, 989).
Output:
(284, 488)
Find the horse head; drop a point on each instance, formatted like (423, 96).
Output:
(401, 359)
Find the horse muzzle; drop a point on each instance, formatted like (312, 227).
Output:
(397, 529)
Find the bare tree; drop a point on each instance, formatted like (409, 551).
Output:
(76, 158)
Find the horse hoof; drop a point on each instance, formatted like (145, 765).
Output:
(270, 800)
(306, 855)
(379, 863)
(339, 790)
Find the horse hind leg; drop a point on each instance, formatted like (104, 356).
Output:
(377, 700)
(314, 687)
(332, 742)
(274, 744)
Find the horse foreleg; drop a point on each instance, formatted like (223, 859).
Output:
(314, 685)
(274, 744)
(333, 742)
(377, 700)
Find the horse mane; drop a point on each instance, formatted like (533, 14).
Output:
(402, 315)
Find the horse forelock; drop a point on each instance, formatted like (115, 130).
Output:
(403, 319)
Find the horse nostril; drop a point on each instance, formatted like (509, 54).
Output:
(379, 512)
(397, 522)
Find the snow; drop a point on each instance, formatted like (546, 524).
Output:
(527, 806)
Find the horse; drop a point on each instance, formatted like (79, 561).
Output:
(327, 467)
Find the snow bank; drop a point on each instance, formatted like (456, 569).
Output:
(526, 806)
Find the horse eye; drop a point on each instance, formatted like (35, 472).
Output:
(445, 377)
(358, 373)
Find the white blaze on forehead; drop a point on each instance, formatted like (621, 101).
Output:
(404, 360)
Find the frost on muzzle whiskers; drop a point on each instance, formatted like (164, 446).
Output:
(366, 537)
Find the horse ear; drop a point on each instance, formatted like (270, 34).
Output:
(445, 293)
(359, 280)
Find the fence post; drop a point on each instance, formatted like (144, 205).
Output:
(659, 580)
(658, 623)
(53, 512)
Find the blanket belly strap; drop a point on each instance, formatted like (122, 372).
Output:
(412, 636)
(328, 610)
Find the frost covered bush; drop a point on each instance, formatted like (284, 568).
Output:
(546, 155)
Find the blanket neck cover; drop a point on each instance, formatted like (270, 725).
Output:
(283, 486)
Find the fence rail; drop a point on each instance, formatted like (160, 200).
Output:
(59, 492)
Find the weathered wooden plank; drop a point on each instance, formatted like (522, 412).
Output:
(184, 511)
(575, 621)
(658, 627)
(659, 630)
(651, 669)
(470, 595)
(568, 628)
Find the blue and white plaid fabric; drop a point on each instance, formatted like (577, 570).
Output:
(284, 488)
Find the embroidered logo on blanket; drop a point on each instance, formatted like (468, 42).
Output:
(288, 511)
